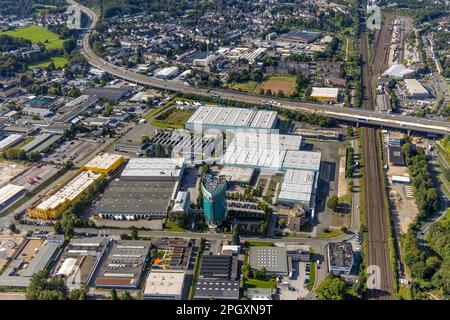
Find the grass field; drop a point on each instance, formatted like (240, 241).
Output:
(248, 86)
(60, 62)
(286, 84)
(258, 244)
(37, 34)
(176, 119)
(172, 227)
(255, 283)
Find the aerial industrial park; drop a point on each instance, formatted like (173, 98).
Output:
(161, 151)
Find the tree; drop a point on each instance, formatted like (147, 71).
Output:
(332, 288)
(145, 139)
(114, 294)
(333, 203)
(235, 235)
(58, 228)
(282, 223)
(12, 227)
(134, 233)
(68, 165)
(43, 288)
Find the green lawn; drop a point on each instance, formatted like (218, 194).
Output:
(331, 234)
(60, 62)
(176, 119)
(172, 227)
(258, 244)
(255, 283)
(248, 86)
(37, 34)
(24, 142)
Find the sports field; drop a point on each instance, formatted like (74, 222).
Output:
(276, 83)
(37, 34)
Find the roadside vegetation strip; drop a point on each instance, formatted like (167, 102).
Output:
(330, 234)
(37, 34)
(445, 153)
(312, 276)
(393, 254)
(258, 244)
(198, 264)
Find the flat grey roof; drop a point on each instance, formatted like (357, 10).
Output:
(274, 259)
(233, 117)
(297, 186)
(149, 168)
(136, 197)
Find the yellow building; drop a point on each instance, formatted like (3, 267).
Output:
(53, 206)
(105, 163)
(325, 94)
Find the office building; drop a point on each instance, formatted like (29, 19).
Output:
(340, 257)
(214, 198)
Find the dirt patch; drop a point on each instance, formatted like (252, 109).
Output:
(287, 85)
(404, 208)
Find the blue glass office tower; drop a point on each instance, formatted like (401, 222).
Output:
(214, 198)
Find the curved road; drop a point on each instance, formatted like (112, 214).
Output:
(347, 114)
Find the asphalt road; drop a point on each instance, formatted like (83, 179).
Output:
(353, 114)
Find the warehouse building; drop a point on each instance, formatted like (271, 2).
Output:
(35, 254)
(298, 187)
(136, 199)
(9, 194)
(325, 94)
(184, 144)
(154, 169)
(298, 37)
(270, 151)
(108, 93)
(174, 254)
(104, 163)
(54, 205)
(340, 257)
(273, 259)
(415, 89)
(167, 73)
(396, 156)
(238, 175)
(10, 141)
(80, 259)
(123, 268)
(221, 118)
(164, 285)
(219, 278)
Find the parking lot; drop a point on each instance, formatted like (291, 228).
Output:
(74, 151)
(36, 175)
(294, 288)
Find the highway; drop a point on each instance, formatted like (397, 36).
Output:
(378, 254)
(346, 114)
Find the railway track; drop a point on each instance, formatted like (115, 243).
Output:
(378, 234)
